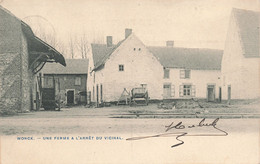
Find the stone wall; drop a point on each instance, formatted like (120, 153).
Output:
(26, 77)
(67, 82)
(10, 92)
(10, 61)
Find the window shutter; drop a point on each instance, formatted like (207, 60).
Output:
(172, 90)
(181, 91)
(193, 90)
(182, 74)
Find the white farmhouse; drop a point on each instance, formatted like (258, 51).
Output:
(167, 72)
(189, 72)
(127, 65)
(240, 63)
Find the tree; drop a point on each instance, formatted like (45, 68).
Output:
(43, 29)
(83, 46)
(72, 43)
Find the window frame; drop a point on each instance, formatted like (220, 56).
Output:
(77, 81)
(165, 70)
(184, 73)
(189, 91)
(121, 68)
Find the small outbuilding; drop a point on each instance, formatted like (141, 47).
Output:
(72, 80)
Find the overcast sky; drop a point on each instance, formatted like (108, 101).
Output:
(190, 23)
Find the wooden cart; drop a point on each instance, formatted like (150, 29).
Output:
(49, 95)
(139, 96)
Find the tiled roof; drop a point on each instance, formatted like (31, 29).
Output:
(190, 58)
(248, 23)
(171, 57)
(74, 66)
(37, 43)
(101, 53)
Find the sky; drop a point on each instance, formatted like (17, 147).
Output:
(189, 23)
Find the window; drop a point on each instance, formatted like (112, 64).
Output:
(94, 78)
(121, 67)
(48, 82)
(77, 81)
(187, 90)
(185, 74)
(166, 74)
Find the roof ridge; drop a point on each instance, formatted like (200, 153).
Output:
(105, 57)
(184, 48)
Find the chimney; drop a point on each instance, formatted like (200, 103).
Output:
(109, 41)
(169, 43)
(128, 32)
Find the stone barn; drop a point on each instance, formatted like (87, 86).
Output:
(22, 56)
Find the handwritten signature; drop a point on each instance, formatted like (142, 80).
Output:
(180, 125)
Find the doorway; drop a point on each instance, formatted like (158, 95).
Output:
(97, 95)
(167, 91)
(220, 94)
(101, 93)
(70, 97)
(211, 93)
(229, 93)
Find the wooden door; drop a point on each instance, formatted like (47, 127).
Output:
(70, 97)
(211, 92)
(220, 94)
(166, 91)
(97, 95)
(229, 94)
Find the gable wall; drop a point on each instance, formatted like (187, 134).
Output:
(140, 67)
(10, 62)
(90, 80)
(237, 71)
(27, 77)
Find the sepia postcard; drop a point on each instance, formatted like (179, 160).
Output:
(129, 81)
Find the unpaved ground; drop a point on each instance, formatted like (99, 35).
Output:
(241, 145)
(101, 120)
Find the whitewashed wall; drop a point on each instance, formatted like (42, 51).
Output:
(140, 67)
(200, 78)
(90, 78)
(241, 73)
